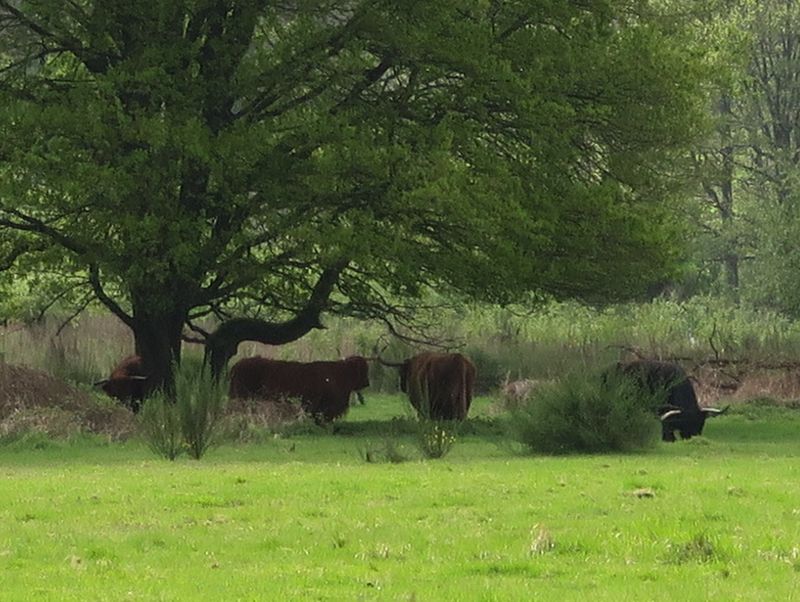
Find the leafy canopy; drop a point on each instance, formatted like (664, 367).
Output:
(219, 155)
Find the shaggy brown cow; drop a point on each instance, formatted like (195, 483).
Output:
(127, 382)
(439, 385)
(323, 388)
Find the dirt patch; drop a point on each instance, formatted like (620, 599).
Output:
(31, 399)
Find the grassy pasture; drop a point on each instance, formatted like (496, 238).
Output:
(304, 517)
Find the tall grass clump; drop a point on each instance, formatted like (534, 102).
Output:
(160, 425)
(586, 414)
(190, 421)
(201, 403)
(436, 438)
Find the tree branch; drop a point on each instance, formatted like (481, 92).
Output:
(222, 344)
(105, 299)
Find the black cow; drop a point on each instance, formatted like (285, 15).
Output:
(679, 410)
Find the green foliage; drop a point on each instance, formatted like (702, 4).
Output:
(747, 168)
(201, 401)
(490, 367)
(160, 424)
(190, 420)
(196, 160)
(388, 450)
(586, 414)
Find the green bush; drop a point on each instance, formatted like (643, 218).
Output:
(160, 424)
(587, 413)
(201, 403)
(190, 422)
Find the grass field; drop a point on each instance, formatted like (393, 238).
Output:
(305, 517)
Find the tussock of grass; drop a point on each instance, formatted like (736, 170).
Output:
(389, 450)
(191, 420)
(701, 548)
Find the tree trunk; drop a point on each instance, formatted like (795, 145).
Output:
(158, 342)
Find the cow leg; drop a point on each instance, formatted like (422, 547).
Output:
(667, 434)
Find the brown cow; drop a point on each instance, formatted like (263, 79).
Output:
(127, 382)
(439, 385)
(323, 388)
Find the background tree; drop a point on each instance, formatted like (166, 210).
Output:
(772, 172)
(721, 240)
(184, 158)
(748, 167)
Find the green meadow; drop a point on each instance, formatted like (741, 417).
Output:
(311, 515)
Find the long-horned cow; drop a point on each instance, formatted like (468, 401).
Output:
(127, 382)
(439, 385)
(680, 410)
(323, 387)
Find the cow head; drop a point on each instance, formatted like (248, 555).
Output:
(130, 390)
(358, 371)
(688, 424)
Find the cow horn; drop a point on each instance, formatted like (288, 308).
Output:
(136, 377)
(390, 364)
(668, 415)
(100, 383)
(715, 411)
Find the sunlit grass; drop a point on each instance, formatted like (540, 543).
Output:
(304, 517)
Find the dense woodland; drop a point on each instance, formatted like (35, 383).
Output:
(225, 171)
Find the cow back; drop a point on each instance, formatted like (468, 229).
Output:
(263, 378)
(322, 387)
(439, 385)
(663, 377)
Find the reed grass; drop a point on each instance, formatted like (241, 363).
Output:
(510, 343)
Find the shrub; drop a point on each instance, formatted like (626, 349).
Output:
(201, 403)
(436, 437)
(490, 369)
(257, 420)
(587, 414)
(191, 421)
(160, 424)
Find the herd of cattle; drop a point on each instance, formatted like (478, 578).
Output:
(439, 386)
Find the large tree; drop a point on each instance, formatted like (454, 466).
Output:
(187, 156)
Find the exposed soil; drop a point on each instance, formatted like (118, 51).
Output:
(31, 399)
